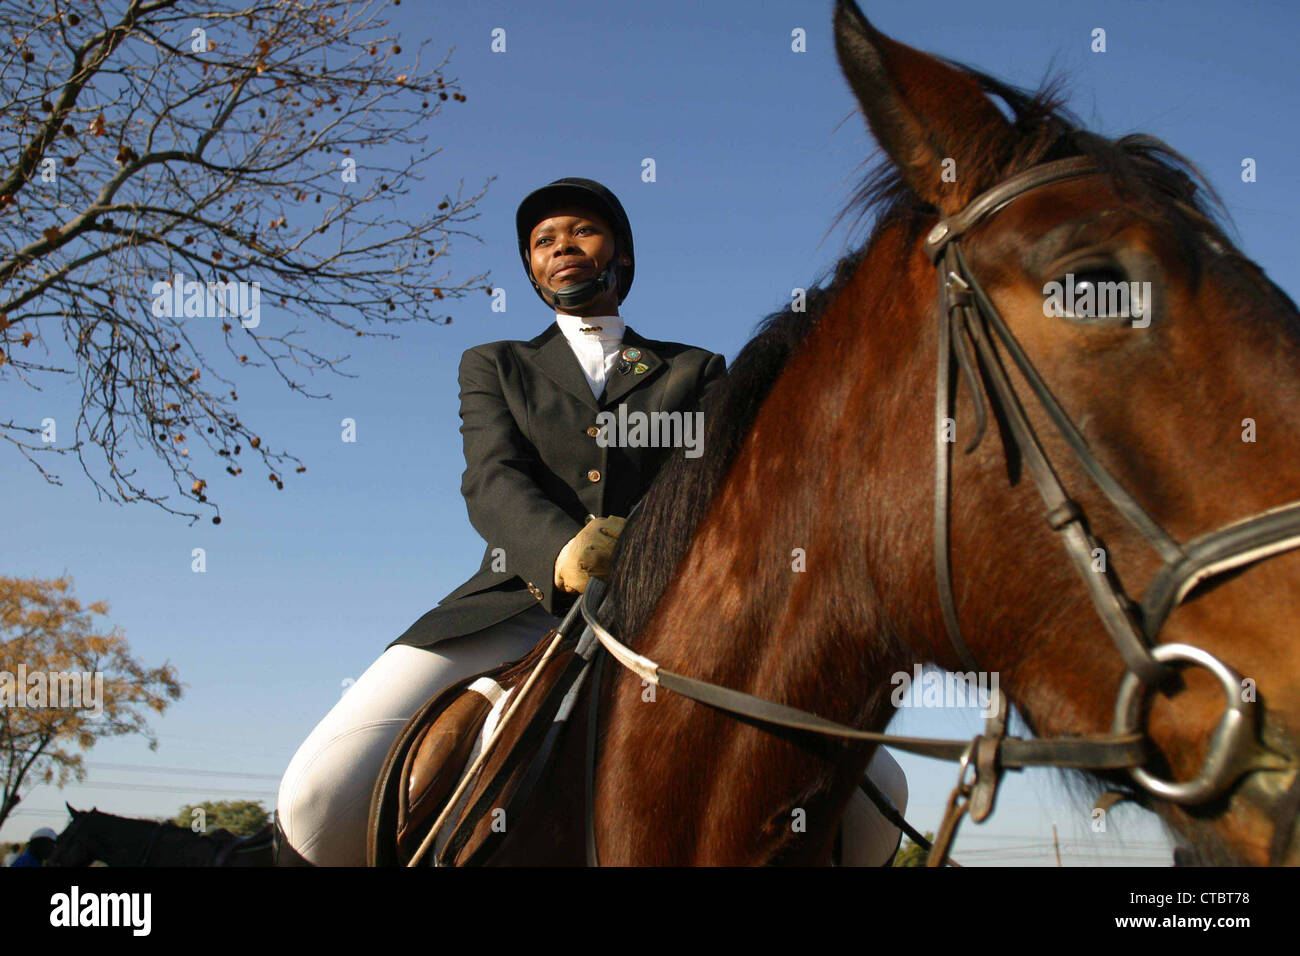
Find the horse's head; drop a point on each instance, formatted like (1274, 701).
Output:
(1189, 399)
(75, 845)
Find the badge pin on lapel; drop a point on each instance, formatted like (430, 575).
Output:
(629, 356)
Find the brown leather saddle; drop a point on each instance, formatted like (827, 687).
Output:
(440, 742)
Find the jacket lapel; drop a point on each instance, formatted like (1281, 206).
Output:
(554, 357)
(552, 354)
(618, 384)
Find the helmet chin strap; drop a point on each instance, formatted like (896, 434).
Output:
(580, 293)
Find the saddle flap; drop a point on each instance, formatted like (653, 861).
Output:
(443, 739)
(515, 765)
(437, 759)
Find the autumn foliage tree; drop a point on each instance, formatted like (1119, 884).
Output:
(271, 143)
(45, 631)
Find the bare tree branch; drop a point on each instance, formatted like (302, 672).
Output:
(265, 153)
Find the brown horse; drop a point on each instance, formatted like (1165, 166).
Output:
(795, 559)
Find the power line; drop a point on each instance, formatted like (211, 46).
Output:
(141, 768)
(226, 743)
(160, 788)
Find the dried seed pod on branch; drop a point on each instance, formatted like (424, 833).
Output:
(211, 141)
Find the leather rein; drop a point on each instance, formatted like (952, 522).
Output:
(968, 319)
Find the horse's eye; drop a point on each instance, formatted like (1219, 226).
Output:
(1095, 294)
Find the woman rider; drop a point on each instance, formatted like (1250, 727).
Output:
(534, 472)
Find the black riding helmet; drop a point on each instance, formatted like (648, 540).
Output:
(591, 195)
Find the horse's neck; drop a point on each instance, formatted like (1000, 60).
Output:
(804, 584)
(797, 585)
(775, 600)
(718, 791)
(127, 838)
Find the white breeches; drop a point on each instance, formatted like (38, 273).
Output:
(324, 799)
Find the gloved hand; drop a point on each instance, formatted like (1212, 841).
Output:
(588, 554)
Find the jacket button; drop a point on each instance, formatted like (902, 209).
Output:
(533, 590)
(593, 431)
(593, 475)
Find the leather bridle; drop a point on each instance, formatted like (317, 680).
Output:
(967, 317)
(969, 320)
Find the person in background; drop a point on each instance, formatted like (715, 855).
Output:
(39, 848)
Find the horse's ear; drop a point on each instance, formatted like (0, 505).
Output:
(933, 120)
(72, 811)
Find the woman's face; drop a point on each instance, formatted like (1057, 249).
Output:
(572, 245)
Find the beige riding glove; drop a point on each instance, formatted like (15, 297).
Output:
(588, 554)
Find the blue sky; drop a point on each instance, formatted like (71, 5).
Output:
(757, 149)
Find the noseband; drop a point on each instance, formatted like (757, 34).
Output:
(968, 321)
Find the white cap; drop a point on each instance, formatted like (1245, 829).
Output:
(43, 832)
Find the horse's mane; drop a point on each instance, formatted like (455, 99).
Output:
(1153, 177)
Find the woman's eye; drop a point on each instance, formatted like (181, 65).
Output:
(575, 232)
(1100, 293)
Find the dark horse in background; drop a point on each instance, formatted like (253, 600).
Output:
(93, 836)
(822, 438)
